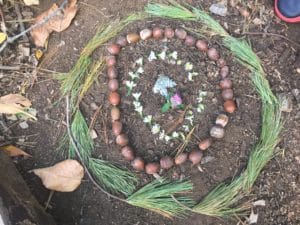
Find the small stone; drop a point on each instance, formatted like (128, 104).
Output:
(93, 134)
(93, 106)
(218, 9)
(286, 102)
(145, 34)
(296, 93)
(217, 132)
(24, 125)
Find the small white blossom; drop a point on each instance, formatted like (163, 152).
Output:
(130, 85)
(191, 75)
(182, 135)
(172, 62)
(161, 135)
(147, 119)
(139, 110)
(202, 93)
(139, 61)
(200, 108)
(136, 104)
(136, 95)
(175, 134)
(133, 75)
(152, 56)
(188, 66)
(162, 55)
(190, 117)
(155, 129)
(186, 128)
(173, 55)
(179, 62)
(199, 99)
(167, 138)
(140, 70)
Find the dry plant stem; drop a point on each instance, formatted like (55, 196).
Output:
(22, 27)
(93, 121)
(10, 40)
(75, 145)
(181, 147)
(10, 67)
(49, 199)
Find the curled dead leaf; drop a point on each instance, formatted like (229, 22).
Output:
(13, 151)
(58, 22)
(64, 176)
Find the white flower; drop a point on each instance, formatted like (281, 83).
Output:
(175, 134)
(202, 93)
(161, 135)
(173, 55)
(200, 108)
(140, 70)
(191, 75)
(190, 117)
(155, 129)
(139, 110)
(179, 62)
(139, 61)
(199, 99)
(130, 85)
(152, 56)
(182, 135)
(162, 55)
(188, 66)
(173, 62)
(186, 128)
(136, 104)
(133, 75)
(136, 95)
(147, 119)
(167, 138)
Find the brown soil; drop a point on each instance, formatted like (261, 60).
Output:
(279, 182)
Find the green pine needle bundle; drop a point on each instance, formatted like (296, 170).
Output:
(113, 178)
(157, 196)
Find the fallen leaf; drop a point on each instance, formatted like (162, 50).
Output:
(58, 22)
(3, 37)
(13, 151)
(31, 2)
(14, 103)
(64, 176)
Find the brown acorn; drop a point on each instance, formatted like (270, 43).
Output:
(113, 85)
(227, 94)
(190, 40)
(181, 158)
(217, 132)
(152, 168)
(138, 164)
(226, 83)
(229, 106)
(127, 153)
(166, 162)
(113, 49)
(195, 156)
(114, 98)
(213, 54)
(205, 144)
(116, 127)
(122, 140)
(222, 120)
(202, 45)
(110, 60)
(169, 32)
(112, 72)
(157, 33)
(224, 71)
(115, 113)
(132, 38)
(180, 33)
(122, 41)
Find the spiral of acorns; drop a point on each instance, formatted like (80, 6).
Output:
(216, 132)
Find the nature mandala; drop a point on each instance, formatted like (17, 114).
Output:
(167, 88)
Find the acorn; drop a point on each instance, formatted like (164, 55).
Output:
(224, 71)
(127, 153)
(152, 168)
(115, 113)
(116, 127)
(122, 41)
(217, 132)
(213, 54)
(226, 83)
(221, 62)
(122, 140)
(202, 45)
(110, 60)
(166, 162)
(113, 85)
(205, 144)
(114, 98)
(145, 34)
(138, 164)
(222, 120)
(227, 94)
(180, 33)
(157, 33)
(169, 33)
(189, 40)
(113, 49)
(195, 156)
(132, 38)
(229, 106)
(112, 72)
(181, 158)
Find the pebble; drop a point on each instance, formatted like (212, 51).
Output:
(296, 93)
(93, 134)
(93, 106)
(218, 9)
(24, 125)
(286, 102)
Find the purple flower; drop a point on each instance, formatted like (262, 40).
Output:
(176, 100)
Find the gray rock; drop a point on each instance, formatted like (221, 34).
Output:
(24, 125)
(218, 9)
(296, 93)
(286, 102)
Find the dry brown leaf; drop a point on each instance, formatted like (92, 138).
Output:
(13, 151)
(64, 176)
(58, 23)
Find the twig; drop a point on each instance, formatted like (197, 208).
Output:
(10, 40)
(10, 67)
(93, 121)
(75, 145)
(22, 27)
(273, 34)
(182, 146)
(49, 199)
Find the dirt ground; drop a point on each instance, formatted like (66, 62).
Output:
(278, 184)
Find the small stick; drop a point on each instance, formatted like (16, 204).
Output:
(93, 121)
(22, 27)
(181, 147)
(9, 67)
(49, 199)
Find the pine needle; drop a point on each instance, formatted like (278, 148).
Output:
(114, 179)
(157, 196)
